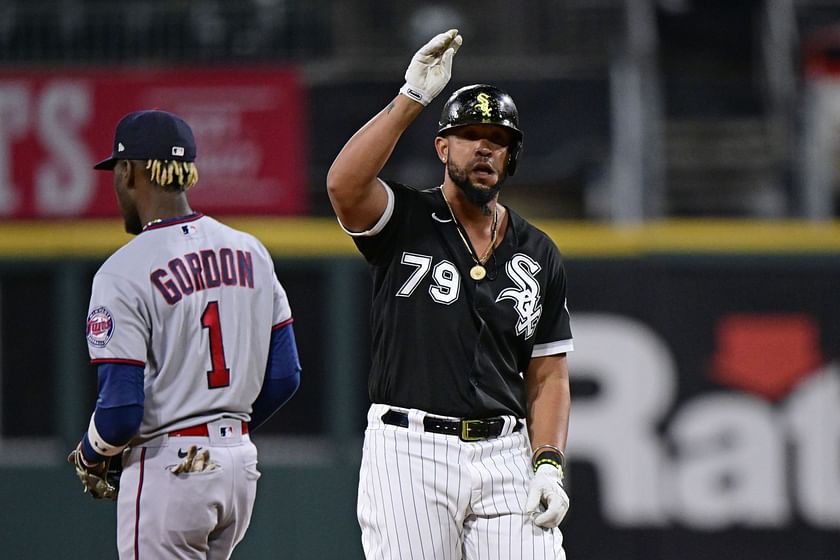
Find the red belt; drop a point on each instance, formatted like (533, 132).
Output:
(200, 431)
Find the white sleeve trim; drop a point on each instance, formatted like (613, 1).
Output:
(551, 348)
(383, 221)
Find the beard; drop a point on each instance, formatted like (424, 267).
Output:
(131, 218)
(478, 195)
(132, 224)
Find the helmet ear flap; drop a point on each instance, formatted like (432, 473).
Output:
(513, 156)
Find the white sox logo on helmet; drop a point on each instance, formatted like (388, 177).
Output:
(526, 295)
(483, 100)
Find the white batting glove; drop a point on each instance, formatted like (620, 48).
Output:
(547, 490)
(431, 67)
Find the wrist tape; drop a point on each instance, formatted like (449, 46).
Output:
(98, 443)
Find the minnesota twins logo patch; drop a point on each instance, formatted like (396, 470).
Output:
(100, 327)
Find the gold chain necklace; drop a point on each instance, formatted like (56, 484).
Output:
(477, 272)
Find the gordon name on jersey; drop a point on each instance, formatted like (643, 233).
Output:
(201, 270)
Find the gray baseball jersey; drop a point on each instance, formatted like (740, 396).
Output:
(192, 301)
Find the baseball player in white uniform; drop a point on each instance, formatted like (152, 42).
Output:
(191, 334)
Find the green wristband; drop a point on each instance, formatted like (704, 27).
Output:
(549, 457)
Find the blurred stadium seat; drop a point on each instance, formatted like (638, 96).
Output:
(727, 74)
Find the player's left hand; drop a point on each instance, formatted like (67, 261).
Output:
(431, 67)
(547, 490)
(97, 479)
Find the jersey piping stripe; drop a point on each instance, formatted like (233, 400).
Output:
(550, 348)
(137, 506)
(125, 361)
(282, 324)
(174, 221)
(383, 220)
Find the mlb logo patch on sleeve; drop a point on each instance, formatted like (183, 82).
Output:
(100, 327)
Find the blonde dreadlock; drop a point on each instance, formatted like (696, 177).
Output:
(166, 172)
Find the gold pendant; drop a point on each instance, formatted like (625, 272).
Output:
(478, 272)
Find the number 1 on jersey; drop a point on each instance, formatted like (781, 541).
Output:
(219, 375)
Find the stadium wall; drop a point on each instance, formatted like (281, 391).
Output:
(706, 391)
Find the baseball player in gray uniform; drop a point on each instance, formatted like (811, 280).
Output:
(463, 452)
(191, 334)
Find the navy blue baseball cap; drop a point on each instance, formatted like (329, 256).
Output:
(151, 134)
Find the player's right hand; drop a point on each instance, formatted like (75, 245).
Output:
(431, 67)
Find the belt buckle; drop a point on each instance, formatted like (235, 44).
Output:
(466, 428)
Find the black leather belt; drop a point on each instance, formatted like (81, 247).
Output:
(468, 430)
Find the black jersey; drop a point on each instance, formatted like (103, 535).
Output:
(443, 342)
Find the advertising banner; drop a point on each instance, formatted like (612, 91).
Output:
(248, 124)
(706, 409)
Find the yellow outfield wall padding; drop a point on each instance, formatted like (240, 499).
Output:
(318, 237)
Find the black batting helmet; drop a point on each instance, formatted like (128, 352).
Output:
(483, 104)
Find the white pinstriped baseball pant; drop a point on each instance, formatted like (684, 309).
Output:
(428, 496)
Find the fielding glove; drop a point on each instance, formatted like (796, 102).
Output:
(100, 480)
(431, 67)
(547, 490)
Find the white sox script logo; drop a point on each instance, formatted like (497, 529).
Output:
(526, 296)
(484, 104)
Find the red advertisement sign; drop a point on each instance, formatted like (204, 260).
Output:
(248, 124)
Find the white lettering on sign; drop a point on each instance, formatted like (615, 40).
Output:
(14, 115)
(616, 429)
(729, 467)
(64, 184)
(721, 459)
(230, 152)
(813, 415)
